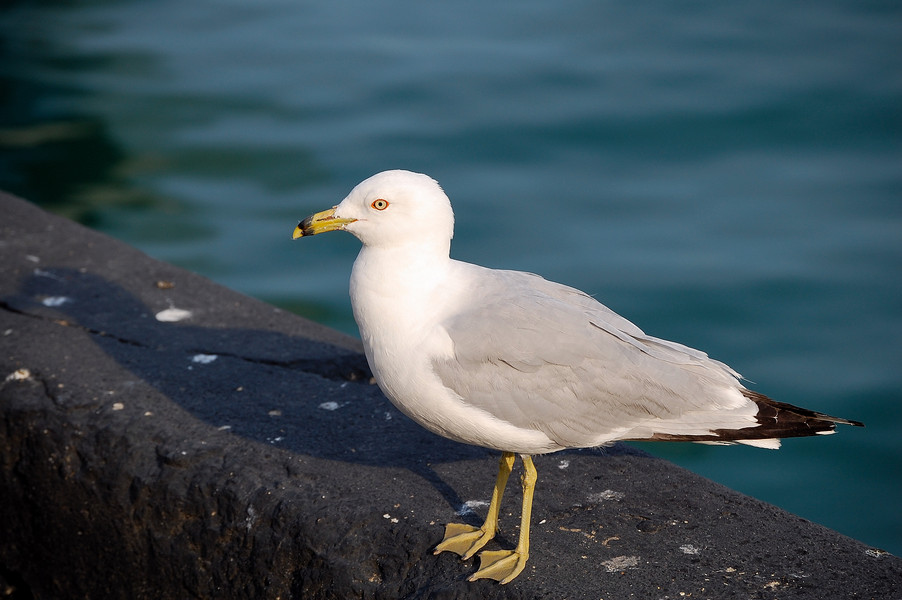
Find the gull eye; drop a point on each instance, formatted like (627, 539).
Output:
(380, 204)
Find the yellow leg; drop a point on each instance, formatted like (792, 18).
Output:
(466, 540)
(505, 565)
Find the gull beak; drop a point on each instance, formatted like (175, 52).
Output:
(321, 222)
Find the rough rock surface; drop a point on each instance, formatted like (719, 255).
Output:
(242, 452)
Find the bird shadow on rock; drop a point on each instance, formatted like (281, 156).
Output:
(294, 393)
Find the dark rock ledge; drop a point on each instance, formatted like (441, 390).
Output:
(242, 452)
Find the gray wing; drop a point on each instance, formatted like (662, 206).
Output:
(548, 357)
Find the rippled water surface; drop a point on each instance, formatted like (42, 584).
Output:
(726, 175)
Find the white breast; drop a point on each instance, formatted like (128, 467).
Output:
(399, 307)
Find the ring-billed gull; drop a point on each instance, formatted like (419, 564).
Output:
(513, 362)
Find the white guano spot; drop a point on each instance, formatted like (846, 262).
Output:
(173, 315)
(330, 405)
(689, 549)
(54, 301)
(605, 495)
(620, 563)
(251, 517)
(204, 359)
(19, 375)
(118, 406)
(563, 464)
(467, 507)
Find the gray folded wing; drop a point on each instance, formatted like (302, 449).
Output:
(544, 356)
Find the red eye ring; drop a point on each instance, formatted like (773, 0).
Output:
(380, 204)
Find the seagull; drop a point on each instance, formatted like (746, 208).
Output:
(513, 362)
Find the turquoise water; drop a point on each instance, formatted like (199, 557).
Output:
(728, 176)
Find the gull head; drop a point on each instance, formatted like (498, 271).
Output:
(390, 209)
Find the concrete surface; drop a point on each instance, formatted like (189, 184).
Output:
(243, 452)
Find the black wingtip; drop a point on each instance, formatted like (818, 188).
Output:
(776, 420)
(772, 409)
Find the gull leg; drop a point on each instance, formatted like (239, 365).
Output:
(505, 565)
(466, 540)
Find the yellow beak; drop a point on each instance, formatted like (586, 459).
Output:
(321, 222)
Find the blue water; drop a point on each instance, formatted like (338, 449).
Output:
(726, 175)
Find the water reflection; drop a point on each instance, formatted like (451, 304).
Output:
(50, 153)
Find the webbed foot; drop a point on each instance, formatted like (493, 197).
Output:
(464, 540)
(500, 565)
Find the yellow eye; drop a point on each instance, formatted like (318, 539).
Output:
(380, 204)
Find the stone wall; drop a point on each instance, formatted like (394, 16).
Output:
(164, 437)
